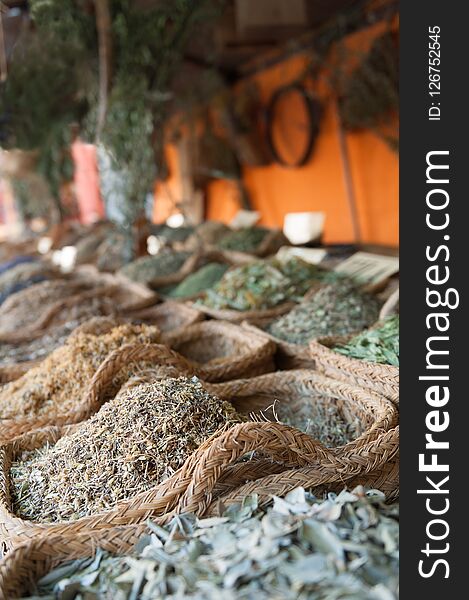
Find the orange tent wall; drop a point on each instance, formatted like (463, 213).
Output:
(320, 185)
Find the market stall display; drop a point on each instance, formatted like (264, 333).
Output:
(199, 332)
(117, 406)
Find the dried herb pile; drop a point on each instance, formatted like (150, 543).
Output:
(38, 348)
(207, 233)
(18, 287)
(26, 307)
(336, 309)
(148, 268)
(195, 283)
(111, 254)
(57, 383)
(264, 284)
(244, 240)
(22, 273)
(135, 441)
(378, 345)
(57, 332)
(345, 547)
(318, 416)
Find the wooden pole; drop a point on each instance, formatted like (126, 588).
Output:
(103, 27)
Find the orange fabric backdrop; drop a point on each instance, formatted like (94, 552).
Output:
(318, 186)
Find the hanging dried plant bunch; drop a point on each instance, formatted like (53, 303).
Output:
(370, 96)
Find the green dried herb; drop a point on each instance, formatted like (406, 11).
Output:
(244, 240)
(378, 345)
(370, 98)
(135, 441)
(264, 284)
(147, 268)
(299, 547)
(203, 279)
(336, 309)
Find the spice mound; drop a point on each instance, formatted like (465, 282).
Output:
(147, 268)
(264, 284)
(378, 345)
(135, 441)
(336, 309)
(57, 384)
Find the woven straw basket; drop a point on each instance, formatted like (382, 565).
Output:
(232, 257)
(168, 316)
(35, 330)
(190, 265)
(129, 295)
(252, 316)
(219, 351)
(25, 564)
(50, 315)
(214, 473)
(13, 371)
(297, 390)
(288, 355)
(383, 379)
